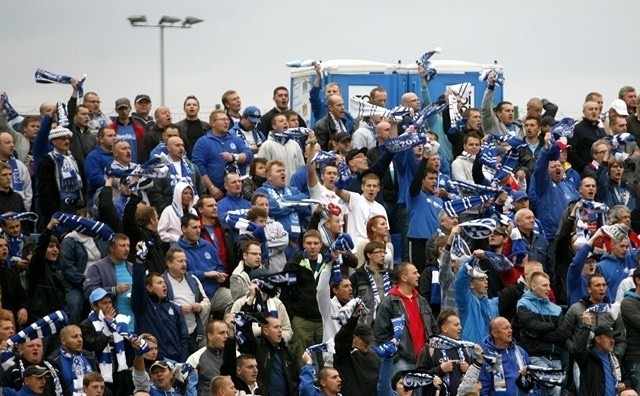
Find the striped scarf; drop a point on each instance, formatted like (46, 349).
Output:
(243, 321)
(494, 360)
(45, 77)
(70, 180)
(85, 226)
(386, 284)
(444, 343)
(109, 329)
(346, 311)
(13, 117)
(366, 109)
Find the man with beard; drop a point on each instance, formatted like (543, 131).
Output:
(442, 357)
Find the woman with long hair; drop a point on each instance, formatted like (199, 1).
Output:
(377, 230)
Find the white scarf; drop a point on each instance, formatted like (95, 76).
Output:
(104, 360)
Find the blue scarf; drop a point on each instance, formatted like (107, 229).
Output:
(16, 181)
(85, 226)
(73, 367)
(563, 128)
(12, 115)
(70, 180)
(115, 330)
(45, 77)
(185, 171)
(386, 284)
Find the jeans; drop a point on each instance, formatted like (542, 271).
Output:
(75, 304)
(546, 362)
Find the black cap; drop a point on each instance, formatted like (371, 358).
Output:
(142, 97)
(547, 121)
(35, 370)
(363, 331)
(353, 152)
(604, 329)
(342, 137)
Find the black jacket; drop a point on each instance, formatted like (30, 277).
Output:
(300, 300)
(263, 350)
(585, 133)
(46, 283)
(360, 370)
(14, 297)
(11, 201)
(155, 259)
(48, 189)
(591, 368)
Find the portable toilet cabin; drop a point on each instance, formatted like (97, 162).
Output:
(359, 77)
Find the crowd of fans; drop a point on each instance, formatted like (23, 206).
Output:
(471, 253)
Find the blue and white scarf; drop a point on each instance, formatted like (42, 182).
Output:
(366, 109)
(386, 285)
(16, 180)
(63, 115)
(456, 206)
(547, 377)
(13, 117)
(494, 360)
(404, 142)
(114, 330)
(444, 343)
(269, 283)
(344, 174)
(499, 74)
(79, 366)
(420, 119)
(343, 242)
(479, 228)
(459, 249)
(412, 379)
(185, 171)
(85, 226)
(70, 180)
(563, 128)
(346, 311)
(45, 77)
(244, 320)
(425, 61)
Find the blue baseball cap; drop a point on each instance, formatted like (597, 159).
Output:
(253, 113)
(519, 196)
(98, 295)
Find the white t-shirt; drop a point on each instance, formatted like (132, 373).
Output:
(326, 196)
(360, 211)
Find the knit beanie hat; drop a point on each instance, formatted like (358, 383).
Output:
(59, 132)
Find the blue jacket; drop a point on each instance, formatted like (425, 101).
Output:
(299, 180)
(236, 205)
(206, 155)
(288, 216)
(307, 380)
(95, 163)
(475, 313)
(576, 281)
(160, 317)
(405, 164)
(539, 319)
(202, 257)
(319, 108)
(615, 270)
(73, 261)
(510, 365)
(549, 198)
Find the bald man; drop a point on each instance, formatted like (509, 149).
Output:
(154, 135)
(334, 122)
(500, 342)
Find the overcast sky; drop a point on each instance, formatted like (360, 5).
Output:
(555, 49)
